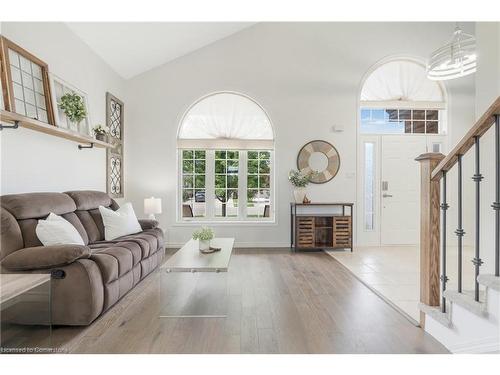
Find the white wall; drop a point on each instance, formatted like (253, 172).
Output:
(33, 161)
(487, 90)
(306, 75)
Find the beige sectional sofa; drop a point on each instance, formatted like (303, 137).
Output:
(87, 280)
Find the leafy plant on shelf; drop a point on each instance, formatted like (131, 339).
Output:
(203, 234)
(300, 179)
(100, 130)
(73, 106)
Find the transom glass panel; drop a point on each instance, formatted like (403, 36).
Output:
(400, 121)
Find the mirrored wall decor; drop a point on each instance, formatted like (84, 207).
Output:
(320, 157)
(114, 168)
(25, 83)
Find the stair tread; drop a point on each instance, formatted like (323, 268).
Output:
(466, 300)
(436, 314)
(489, 281)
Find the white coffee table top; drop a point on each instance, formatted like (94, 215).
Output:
(189, 258)
(13, 284)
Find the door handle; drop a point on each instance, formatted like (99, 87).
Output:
(386, 195)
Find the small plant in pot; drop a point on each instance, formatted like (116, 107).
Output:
(100, 132)
(299, 180)
(204, 235)
(73, 107)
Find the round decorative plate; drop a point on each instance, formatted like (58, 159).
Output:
(321, 157)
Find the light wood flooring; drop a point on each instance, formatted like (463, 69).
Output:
(279, 302)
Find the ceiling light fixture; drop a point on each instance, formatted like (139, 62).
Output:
(455, 59)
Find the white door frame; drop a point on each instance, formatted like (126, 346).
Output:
(373, 237)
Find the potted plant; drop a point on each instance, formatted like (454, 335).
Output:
(73, 107)
(100, 132)
(203, 235)
(299, 180)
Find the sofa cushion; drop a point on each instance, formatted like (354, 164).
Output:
(11, 238)
(28, 229)
(124, 259)
(108, 265)
(37, 205)
(91, 228)
(148, 223)
(88, 199)
(56, 230)
(73, 219)
(133, 247)
(120, 222)
(41, 257)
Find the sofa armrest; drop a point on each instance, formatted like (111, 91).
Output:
(42, 257)
(148, 223)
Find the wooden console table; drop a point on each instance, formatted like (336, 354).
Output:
(318, 226)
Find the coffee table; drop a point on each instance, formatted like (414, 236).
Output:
(25, 311)
(193, 284)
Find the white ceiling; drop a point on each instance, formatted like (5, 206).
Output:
(132, 48)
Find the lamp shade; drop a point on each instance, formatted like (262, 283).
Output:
(152, 205)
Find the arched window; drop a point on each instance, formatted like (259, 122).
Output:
(397, 97)
(226, 145)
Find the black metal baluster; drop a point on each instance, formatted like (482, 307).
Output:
(478, 177)
(460, 230)
(496, 204)
(444, 278)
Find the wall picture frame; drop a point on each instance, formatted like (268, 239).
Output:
(59, 87)
(25, 83)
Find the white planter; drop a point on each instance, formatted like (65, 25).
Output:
(299, 193)
(204, 245)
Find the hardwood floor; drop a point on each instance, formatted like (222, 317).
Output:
(279, 302)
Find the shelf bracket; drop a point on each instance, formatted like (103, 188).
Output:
(81, 147)
(15, 126)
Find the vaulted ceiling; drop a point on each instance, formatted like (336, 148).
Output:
(132, 48)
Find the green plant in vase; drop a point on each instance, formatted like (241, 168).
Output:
(73, 107)
(204, 235)
(100, 132)
(300, 180)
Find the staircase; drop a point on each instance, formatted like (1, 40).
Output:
(464, 320)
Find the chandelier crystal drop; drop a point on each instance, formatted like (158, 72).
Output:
(455, 59)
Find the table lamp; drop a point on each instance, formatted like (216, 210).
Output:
(152, 206)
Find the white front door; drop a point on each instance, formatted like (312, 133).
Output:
(400, 189)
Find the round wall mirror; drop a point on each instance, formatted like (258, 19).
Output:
(318, 161)
(321, 157)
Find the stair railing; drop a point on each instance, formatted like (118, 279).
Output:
(433, 232)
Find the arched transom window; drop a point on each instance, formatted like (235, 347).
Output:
(225, 144)
(397, 97)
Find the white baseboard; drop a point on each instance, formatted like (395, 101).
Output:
(486, 345)
(173, 245)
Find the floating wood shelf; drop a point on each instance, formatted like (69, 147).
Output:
(26, 122)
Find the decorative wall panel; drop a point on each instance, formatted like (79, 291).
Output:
(114, 165)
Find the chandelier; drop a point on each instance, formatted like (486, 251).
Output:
(455, 59)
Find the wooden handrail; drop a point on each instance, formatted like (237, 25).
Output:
(482, 125)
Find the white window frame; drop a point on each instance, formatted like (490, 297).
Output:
(210, 217)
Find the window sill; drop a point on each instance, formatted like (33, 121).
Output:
(190, 223)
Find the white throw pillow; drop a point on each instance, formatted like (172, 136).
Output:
(56, 230)
(120, 222)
